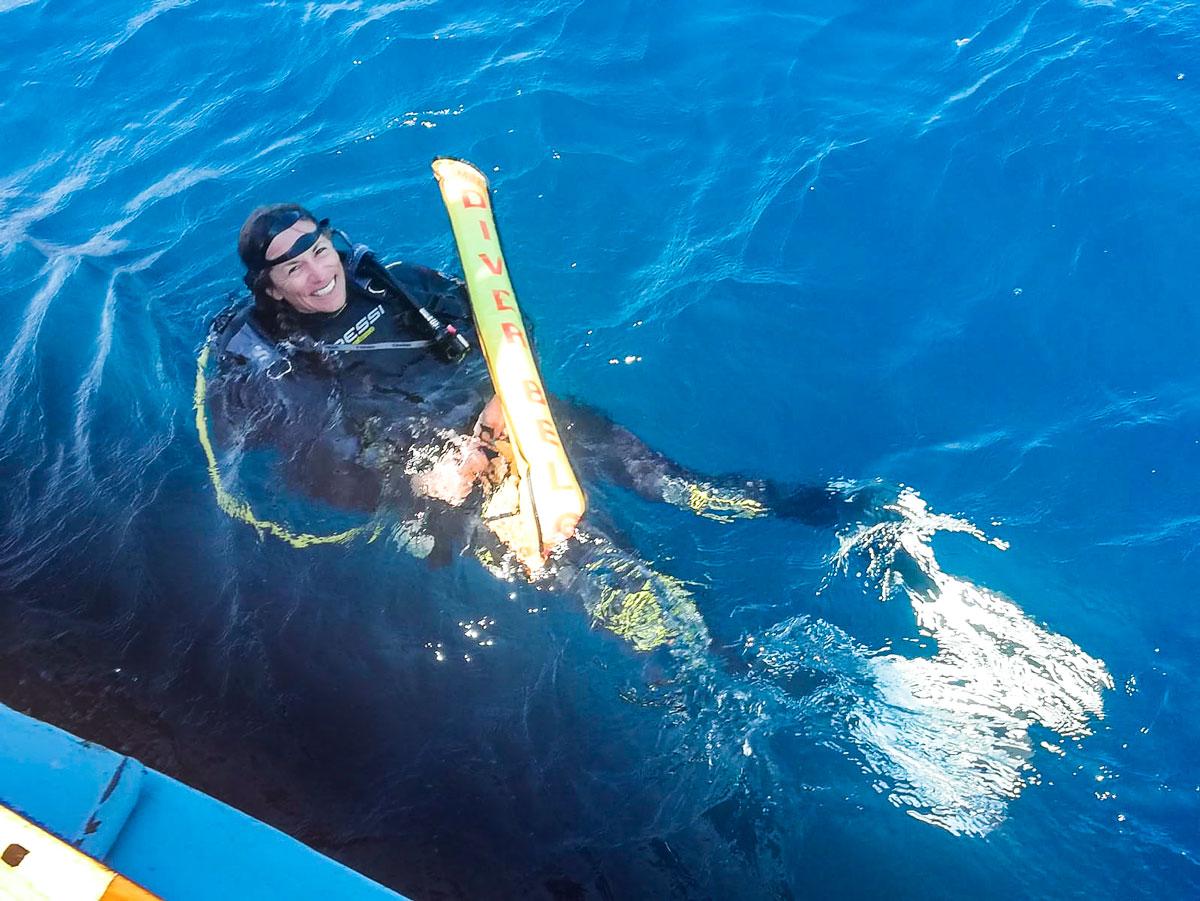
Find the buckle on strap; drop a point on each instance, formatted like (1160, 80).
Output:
(279, 369)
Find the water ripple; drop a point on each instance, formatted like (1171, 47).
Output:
(135, 24)
(948, 735)
(19, 361)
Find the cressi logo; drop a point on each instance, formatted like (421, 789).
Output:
(362, 329)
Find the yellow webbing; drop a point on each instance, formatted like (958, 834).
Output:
(239, 509)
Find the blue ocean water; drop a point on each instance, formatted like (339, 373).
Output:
(940, 251)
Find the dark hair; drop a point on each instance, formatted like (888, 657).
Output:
(259, 230)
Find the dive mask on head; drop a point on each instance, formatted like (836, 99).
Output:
(267, 223)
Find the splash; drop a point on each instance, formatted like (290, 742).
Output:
(948, 736)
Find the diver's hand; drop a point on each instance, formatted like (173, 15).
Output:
(490, 425)
(455, 473)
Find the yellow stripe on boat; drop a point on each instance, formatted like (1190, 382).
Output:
(542, 504)
(38, 866)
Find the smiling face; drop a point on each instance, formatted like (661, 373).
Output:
(312, 282)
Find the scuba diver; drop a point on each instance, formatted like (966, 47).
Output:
(367, 382)
(364, 377)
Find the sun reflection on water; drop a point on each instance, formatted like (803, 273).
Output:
(947, 736)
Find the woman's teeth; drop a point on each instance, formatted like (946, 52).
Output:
(321, 292)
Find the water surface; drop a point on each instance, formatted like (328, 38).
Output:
(941, 255)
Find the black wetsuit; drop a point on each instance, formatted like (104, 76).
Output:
(336, 395)
(347, 417)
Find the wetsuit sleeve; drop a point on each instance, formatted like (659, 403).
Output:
(246, 408)
(601, 449)
(443, 295)
(300, 416)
